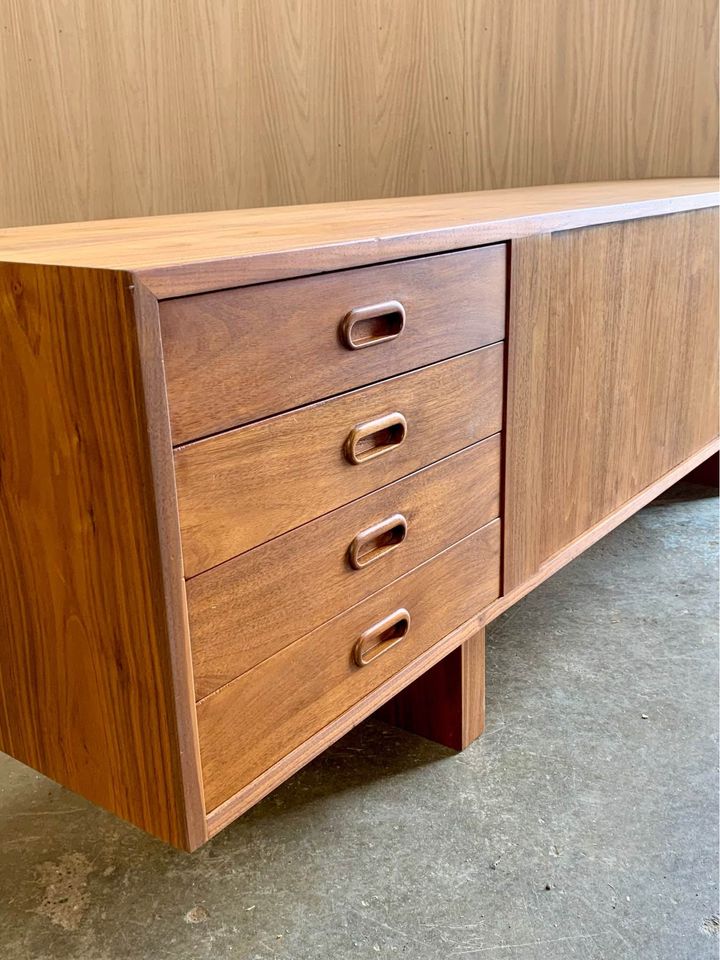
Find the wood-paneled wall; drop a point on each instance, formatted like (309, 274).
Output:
(132, 107)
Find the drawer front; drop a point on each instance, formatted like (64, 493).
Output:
(253, 722)
(243, 354)
(247, 609)
(241, 488)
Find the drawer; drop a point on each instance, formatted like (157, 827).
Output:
(244, 487)
(247, 609)
(243, 354)
(253, 722)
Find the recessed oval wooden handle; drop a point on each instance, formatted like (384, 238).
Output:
(377, 541)
(369, 440)
(368, 326)
(381, 637)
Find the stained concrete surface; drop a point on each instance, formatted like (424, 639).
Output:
(584, 824)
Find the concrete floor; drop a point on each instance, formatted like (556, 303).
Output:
(582, 825)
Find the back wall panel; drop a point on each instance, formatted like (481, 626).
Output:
(134, 107)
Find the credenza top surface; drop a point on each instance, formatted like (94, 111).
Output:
(186, 253)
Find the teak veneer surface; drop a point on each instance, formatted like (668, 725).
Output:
(612, 394)
(190, 253)
(93, 691)
(305, 686)
(306, 572)
(290, 333)
(240, 488)
(613, 373)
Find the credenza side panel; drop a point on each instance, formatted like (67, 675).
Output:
(86, 665)
(612, 373)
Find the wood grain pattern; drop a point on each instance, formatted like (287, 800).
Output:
(447, 703)
(271, 778)
(617, 367)
(453, 304)
(626, 360)
(244, 487)
(247, 609)
(557, 92)
(288, 101)
(301, 689)
(527, 335)
(600, 529)
(157, 421)
(356, 100)
(90, 677)
(296, 101)
(261, 786)
(189, 254)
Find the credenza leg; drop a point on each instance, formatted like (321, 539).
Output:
(446, 704)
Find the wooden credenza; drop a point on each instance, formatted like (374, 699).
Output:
(265, 472)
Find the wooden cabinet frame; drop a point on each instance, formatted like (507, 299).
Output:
(612, 304)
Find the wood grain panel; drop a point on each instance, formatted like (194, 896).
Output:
(134, 107)
(226, 104)
(291, 330)
(529, 296)
(93, 684)
(557, 92)
(623, 361)
(247, 609)
(123, 107)
(356, 99)
(257, 719)
(244, 487)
